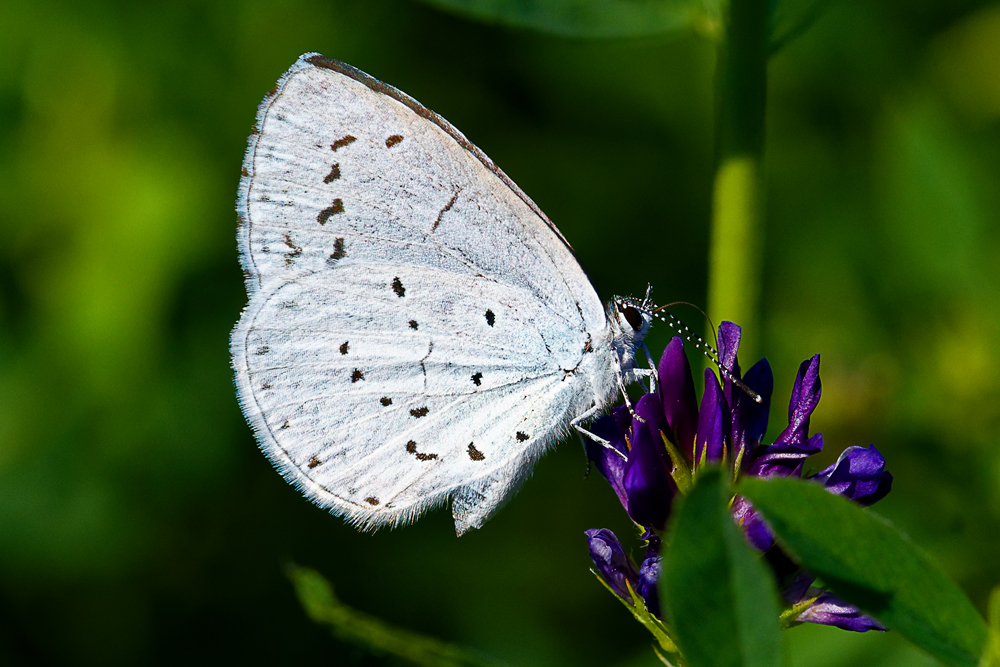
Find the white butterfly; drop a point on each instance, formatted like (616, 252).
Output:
(418, 329)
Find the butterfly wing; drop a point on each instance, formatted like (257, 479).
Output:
(416, 325)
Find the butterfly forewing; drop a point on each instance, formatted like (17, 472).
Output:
(414, 322)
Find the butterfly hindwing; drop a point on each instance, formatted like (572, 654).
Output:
(343, 383)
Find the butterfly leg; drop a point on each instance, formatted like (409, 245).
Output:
(577, 423)
(635, 376)
(654, 377)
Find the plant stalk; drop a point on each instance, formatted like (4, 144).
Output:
(737, 200)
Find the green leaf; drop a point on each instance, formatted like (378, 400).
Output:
(991, 654)
(322, 606)
(591, 18)
(869, 563)
(719, 595)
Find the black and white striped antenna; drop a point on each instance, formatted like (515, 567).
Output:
(709, 351)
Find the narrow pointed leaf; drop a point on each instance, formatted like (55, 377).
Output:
(991, 654)
(372, 634)
(869, 563)
(719, 596)
(589, 18)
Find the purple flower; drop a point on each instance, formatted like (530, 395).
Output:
(617, 569)
(646, 476)
(649, 575)
(858, 474)
(642, 479)
(670, 434)
(714, 437)
(676, 389)
(614, 566)
(757, 533)
(610, 461)
(825, 608)
(829, 610)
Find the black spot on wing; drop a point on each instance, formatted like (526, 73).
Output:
(333, 209)
(357, 375)
(477, 378)
(475, 454)
(338, 249)
(266, 385)
(490, 317)
(345, 141)
(344, 347)
(313, 462)
(293, 253)
(263, 349)
(521, 437)
(285, 425)
(385, 400)
(413, 324)
(334, 173)
(419, 412)
(371, 500)
(393, 140)
(397, 287)
(411, 447)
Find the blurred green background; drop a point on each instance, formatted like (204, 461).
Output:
(138, 520)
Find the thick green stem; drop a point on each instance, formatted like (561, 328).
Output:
(734, 262)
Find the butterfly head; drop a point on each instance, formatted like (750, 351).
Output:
(631, 318)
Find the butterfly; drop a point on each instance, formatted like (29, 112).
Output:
(417, 331)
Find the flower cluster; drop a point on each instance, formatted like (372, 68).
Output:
(652, 454)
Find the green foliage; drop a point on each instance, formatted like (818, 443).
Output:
(637, 606)
(867, 562)
(317, 597)
(991, 654)
(140, 523)
(719, 595)
(604, 19)
(590, 18)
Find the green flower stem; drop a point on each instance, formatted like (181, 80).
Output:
(734, 261)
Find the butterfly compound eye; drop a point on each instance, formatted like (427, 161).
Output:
(633, 317)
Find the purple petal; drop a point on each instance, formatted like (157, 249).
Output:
(647, 481)
(605, 460)
(680, 406)
(798, 589)
(805, 396)
(756, 531)
(750, 417)
(858, 474)
(713, 421)
(612, 564)
(729, 344)
(829, 610)
(650, 410)
(784, 458)
(649, 575)
(623, 417)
